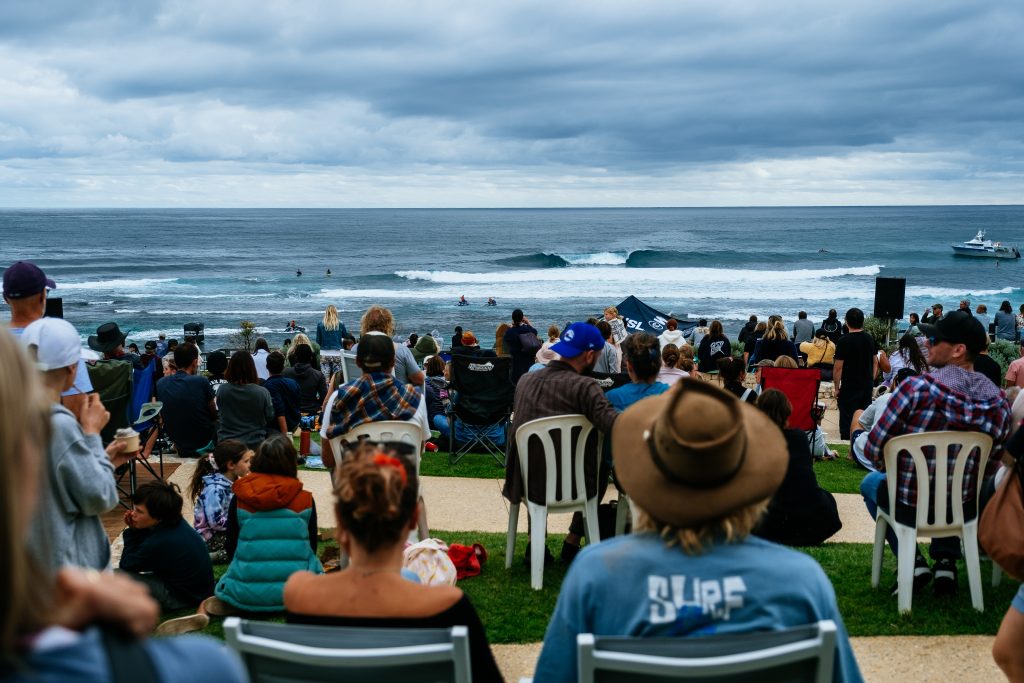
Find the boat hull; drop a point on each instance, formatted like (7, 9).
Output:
(982, 253)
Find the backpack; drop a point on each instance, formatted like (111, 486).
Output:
(530, 342)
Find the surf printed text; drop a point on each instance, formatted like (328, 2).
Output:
(670, 595)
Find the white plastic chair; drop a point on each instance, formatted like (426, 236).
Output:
(562, 500)
(350, 372)
(804, 653)
(390, 430)
(287, 653)
(946, 497)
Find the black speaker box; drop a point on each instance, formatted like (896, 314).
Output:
(889, 295)
(54, 307)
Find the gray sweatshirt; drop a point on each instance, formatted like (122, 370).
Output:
(66, 528)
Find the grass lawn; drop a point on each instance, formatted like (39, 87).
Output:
(514, 613)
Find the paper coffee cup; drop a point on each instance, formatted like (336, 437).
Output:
(131, 443)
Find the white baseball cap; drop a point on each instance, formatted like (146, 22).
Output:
(56, 344)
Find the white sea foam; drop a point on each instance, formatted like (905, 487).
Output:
(178, 333)
(117, 285)
(603, 258)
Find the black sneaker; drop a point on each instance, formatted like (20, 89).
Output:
(945, 578)
(569, 553)
(549, 559)
(922, 576)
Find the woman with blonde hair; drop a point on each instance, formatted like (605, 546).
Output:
(775, 343)
(700, 467)
(378, 320)
(329, 334)
(49, 622)
(300, 339)
(499, 339)
(820, 353)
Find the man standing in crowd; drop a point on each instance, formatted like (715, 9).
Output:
(853, 374)
(189, 412)
(936, 315)
(523, 351)
(25, 287)
(561, 388)
(951, 396)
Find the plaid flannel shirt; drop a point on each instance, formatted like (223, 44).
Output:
(372, 398)
(948, 398)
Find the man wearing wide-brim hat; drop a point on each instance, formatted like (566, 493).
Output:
(700, 467)
(109, 340)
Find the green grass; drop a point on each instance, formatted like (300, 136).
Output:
(514, 613)
(841, 475)
(474, 465)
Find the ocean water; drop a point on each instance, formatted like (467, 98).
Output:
(155, 270)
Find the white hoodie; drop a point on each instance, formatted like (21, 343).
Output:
(672, 337)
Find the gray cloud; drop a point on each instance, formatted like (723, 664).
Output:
(920, 92)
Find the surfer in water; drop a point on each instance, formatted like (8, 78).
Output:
(298, 273)
(491, 301)
(462, 300)
(328, 272)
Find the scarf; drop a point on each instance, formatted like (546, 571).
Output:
(372, 398)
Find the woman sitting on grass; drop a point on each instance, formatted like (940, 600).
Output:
(733, 372)
(211, 492)
(670, 372)
(700, 468)
(272, 533)
(245, 409)
(376, 509)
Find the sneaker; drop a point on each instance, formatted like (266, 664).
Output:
(549, 559)
(945, 578)
(922, 576)
(216, 607)
(174, 627)
(569, 553)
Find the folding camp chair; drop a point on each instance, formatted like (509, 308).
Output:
(112, 380)
(801, 388)
(482, 396)
(609, 380)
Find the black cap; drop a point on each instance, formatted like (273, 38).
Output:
(959, 327)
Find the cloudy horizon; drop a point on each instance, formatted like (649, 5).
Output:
(322, 104)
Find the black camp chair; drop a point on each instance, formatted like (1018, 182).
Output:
(482, 396)
(609, 380)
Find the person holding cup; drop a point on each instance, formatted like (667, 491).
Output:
(67, 531)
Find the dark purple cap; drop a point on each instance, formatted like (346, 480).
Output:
(23, 279)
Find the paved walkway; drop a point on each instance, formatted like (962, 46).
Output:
(463, 504)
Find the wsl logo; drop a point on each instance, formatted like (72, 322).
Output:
(658, 323)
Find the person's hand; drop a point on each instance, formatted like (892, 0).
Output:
(84, 597)
(129, 518)
(94, 416)
(116, 452)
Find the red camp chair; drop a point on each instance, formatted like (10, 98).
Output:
(801, 388)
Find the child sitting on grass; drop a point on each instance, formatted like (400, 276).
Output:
(162, 551)
(272, 533)
(212, 495)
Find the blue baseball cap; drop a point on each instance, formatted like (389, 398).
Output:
(577, 338)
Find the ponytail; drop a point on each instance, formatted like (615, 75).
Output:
(227, 452)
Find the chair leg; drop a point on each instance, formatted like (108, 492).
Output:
(590, 525)
(538, 538)
(997, 574)
(510, 540)
(878, 551)
(622, 514)
(970, 541)
(905, 566)
(423, 527)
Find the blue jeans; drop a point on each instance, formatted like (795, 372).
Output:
(871, 487)
(440, 423)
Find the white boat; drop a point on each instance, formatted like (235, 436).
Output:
(979, 246)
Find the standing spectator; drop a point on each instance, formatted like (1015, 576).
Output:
(330, 331)
(750, 343)
(981, 313)
(189, 412)
(712, 346)
(747, 330)
(984, 364)
(25, 289)
(936, 315)
(1006, 323)
(1015, 372)
(259, 358)
(697, 333)
(457, 337)
(854, 372)
(833, 328)
(245, 407)
(965, 306)
(803, 329)
(611, 356)
(523, 350)
(285, 394)
(612, 317)
(66, 529)
(161, 345)
(312, 384)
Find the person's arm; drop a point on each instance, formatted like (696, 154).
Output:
(882, 363)
(557, 661)
(83, 597)
(837, 377)
(891, 423)
(282, 425)
(598, 409)
(312, 528)
(86, 475)
(1006, 649)
(138, 555)
(231, 542)
(1011, 375)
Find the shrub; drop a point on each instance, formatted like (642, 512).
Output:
(1003, 352)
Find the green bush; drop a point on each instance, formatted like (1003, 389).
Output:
(879, 331)
(1003, 352)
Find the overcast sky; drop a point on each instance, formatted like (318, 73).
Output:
(696, 103)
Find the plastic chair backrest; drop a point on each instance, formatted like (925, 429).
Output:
(350, 372)
(385, 430)
(800, 385)
(283, 653)
(949, 496)
(804, 653)
(563, 471)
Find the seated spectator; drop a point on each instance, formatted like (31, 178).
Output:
(775, 343)
(544, 356)
(376, 509)
(189, 412)
(437, 395)
(425, 346)
(376, 395)
(67, 529)
(913, 322)
(700, 468)
(259, 358)
(803, 329)
(750, 342)
(285, 395)
(50, 619)
(457, 337)
(984, 364)
(713, 345)
(211, 493)
(109, 340)
(272, 533)
(801, 513)
(1015, 371)
(163, 551)
(611, 355)
(672, 335)
(820, 354)
(378, 321)
(733, 373)
(245, 407)
(696, 334)
(865, 420)
(471, 347)
(686, 362)
(312, 384)
(499, 339)
(982, 316)
(643, 363)
(670, 372)
(553, 334)
(786, 362)
(216, 366)
(1007, 323)
(906, 355)
(303, 339)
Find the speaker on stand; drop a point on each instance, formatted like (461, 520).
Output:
(889, 295)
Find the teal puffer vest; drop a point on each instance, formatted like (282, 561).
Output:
(272, 545)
